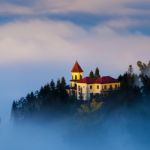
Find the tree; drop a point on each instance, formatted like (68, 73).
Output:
(63, 83)
(129, 92)
(52, 86)
(97, 73)
(63, 92)
(91, 74)
(14, 109)
(58, 86)
(146, 85)
(142, 66)
(130, 70)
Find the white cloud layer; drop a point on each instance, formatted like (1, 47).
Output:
(116, 7)
(39, 41)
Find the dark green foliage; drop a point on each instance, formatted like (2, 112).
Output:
(146, 85)
(91, 74)
(49, 99)
(97, 73)
(130, 70)
(129, 90)
(53, 98)
(145, 77)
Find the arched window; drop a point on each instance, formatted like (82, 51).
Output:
(75, 86)
(110, 87)
(91, 87)
(80, 76)
(75, 77)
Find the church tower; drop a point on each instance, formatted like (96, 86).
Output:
(77, 74)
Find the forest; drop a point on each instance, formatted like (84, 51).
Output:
(52, 99)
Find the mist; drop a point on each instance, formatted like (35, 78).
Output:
(120, 130)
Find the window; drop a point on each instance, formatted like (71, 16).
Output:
(111, 87)
(116, 86)
(72, 77)
(75, 77)
(75, 86)
(80, 76)
(105, 87)
(98, 87)
(91, 87)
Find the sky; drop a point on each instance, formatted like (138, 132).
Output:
(41, 40)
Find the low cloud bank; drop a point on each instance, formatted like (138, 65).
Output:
(121, 130)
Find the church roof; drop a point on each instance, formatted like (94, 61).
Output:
(76, 68)
(87, 80)
(105, 80)
(100, 80)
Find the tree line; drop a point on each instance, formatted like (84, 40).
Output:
(53, 97)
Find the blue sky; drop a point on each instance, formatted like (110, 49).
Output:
(41, 39)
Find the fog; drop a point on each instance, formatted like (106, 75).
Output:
(120, 130)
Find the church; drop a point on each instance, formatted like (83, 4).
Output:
(86, 87)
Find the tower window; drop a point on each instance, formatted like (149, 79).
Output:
(75, 77)
(80, 76)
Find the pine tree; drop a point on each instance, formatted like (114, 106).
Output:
(130, 70)
(63, 92)
(52, 85)
(146, 85)
(14, 110)
(63, 83)
(91, 74)
(97, 73)
(58, 86)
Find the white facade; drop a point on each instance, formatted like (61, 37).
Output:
(84, 90)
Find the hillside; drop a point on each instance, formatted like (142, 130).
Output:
(53, 101)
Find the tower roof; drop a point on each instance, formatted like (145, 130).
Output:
(76, 68)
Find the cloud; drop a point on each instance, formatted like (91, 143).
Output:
(7, 8)
(125, 23)
(99, 7)
(39, 41)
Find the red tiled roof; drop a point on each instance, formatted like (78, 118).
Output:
(100, 80)
(106, 79)
(76, 68)
(87, 80)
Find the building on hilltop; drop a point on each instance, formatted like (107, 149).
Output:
(84, 88)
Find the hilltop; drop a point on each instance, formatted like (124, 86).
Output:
(54, 101)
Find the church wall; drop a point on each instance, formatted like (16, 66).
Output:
(87, 89)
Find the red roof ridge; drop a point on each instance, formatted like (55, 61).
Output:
(106, 79)
(76, 68)
(99, 80)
